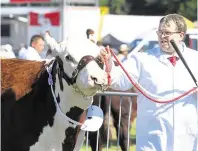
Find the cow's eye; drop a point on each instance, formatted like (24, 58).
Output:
(68, 57)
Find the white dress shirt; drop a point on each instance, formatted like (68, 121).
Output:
(21, 53)
(162, 127)
(31, 54)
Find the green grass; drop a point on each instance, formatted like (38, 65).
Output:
(113, 141)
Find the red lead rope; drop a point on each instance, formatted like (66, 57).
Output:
(138, 87)
(108, 72)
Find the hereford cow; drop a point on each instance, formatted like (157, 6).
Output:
(36, 111)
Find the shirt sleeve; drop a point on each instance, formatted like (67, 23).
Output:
(119, 79)
(54, 46)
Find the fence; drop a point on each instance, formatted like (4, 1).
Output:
(123, 97)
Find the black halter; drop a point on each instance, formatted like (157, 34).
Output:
(82, 63)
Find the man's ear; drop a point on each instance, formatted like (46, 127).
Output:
(182, 35)
(33, 44)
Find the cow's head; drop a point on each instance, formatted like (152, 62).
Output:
(78, 68)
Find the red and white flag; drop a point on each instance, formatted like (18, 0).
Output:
(52, 19)
(40, 23)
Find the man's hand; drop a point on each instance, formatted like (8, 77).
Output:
(105, 54)
(47, 33)
(48, 61)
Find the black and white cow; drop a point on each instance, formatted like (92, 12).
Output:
(34, 122)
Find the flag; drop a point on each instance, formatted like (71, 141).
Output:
(52, 18)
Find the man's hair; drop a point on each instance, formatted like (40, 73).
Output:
(89, 32)
(175, 18)
(35, 38)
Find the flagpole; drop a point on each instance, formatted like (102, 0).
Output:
(63, 19)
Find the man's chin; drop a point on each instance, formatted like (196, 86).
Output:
(168, 50)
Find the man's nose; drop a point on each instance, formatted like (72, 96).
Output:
(164, 35)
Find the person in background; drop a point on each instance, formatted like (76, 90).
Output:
(91, 35)
(172, 125)
(123, 52)
(6, 52)
(37, 45)
(91, 38)
(21, 52)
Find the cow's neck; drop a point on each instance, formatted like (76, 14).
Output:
(70, 99)
(72, 104)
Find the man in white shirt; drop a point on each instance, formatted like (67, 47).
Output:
(21, 52)
(37, 45)
(173, 125)
(91, 35)
(123, 52)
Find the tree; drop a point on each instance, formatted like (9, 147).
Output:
(189, 9)
(116, 6)
(153, 7)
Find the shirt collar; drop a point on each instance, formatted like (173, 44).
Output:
(181, 47)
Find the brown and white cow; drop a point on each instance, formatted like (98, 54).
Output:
(31, 120)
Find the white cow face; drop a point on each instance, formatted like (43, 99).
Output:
(91, 77)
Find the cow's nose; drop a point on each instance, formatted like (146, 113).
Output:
(95, 79)
(98, 80)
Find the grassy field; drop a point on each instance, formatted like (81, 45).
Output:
(113, 146)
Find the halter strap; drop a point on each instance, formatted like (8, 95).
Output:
(50, 82)
(72, 80)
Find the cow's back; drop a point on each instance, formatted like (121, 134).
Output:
(26, 103)
(19, 75)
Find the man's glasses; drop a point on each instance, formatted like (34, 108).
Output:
(166, 33)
